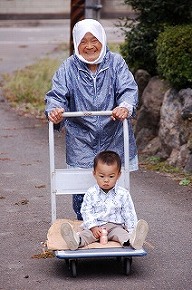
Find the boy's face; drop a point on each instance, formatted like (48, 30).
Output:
(106, 175)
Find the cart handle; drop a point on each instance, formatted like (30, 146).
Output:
(94, 113)
(125, 133)
(87, 113)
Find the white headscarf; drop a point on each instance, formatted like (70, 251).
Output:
(94, 27)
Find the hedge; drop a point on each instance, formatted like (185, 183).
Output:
(174, 55)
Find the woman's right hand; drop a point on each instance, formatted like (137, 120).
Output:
(56, 115)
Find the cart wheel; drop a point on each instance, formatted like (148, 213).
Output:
(73, 268)
(118, 259)
(127, 265)
(67, 263)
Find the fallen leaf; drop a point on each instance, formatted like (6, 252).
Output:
(44, 255)
(40, 186)
(22, 202)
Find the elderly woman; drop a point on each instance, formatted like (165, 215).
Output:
(93, 79)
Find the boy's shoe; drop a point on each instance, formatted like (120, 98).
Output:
(139, 234)
(69, 235)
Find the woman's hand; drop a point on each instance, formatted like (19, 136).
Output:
(56, 115)
(120, 113)
(96, 232)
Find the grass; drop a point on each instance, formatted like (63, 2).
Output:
(154, 163)
(25, 89)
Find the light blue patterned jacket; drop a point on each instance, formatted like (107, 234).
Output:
(75, 88)
(116, 206)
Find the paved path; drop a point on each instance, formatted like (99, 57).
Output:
(25, 217)
(22, 45)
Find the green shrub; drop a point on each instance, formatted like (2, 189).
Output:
(174, 55)
(139, 49)
(162, 11)
(142, 30)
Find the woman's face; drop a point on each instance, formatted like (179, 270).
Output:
(90, 47)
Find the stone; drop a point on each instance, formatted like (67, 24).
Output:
(142, 78)
(148, 116)
(153, 147)
(188, 166)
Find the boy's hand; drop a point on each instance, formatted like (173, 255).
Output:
(96, 232)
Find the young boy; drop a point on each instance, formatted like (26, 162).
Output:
(107, 205)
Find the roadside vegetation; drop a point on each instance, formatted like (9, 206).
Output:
(159, 39)
(25, 89)
(156, 164)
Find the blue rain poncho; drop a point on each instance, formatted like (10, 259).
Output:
(76, 88)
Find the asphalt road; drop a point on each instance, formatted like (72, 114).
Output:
(25, 202)
(22, 45)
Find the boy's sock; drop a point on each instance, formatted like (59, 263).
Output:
(71, 238)
(139, 234)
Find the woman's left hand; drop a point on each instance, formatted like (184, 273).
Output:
(120, 113)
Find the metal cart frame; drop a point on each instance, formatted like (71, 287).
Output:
(62, 183)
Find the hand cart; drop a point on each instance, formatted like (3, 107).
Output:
(62, 183)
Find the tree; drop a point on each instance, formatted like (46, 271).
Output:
(139, 49)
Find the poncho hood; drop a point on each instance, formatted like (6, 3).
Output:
(94, 27)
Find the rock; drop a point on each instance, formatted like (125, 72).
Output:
(172, 160)
(164, 124)
(174, 131)
(179, 158)
(186, 101)
(142, 78)
(183, 156)
(189, 143)
(188, 166)
(153, 147)
(144, 136)
(148, 116)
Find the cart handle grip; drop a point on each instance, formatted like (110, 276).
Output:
(87, 113)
